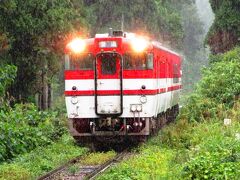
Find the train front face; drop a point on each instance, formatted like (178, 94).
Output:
(108, 86)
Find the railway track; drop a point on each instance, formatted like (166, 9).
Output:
(83, 171)
(108, 164)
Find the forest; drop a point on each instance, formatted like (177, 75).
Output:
(33, 122)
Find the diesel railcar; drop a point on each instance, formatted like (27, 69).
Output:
(120, 85)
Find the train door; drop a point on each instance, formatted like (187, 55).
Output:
(108, 84)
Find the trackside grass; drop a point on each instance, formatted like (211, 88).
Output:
(41, 160)
(206, 150)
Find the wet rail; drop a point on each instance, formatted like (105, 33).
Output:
(107, 165)
(84, 171)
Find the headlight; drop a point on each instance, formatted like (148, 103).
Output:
(77, 45)
(139, 44)
(143, 99)
(74, 100)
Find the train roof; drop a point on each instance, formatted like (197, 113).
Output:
(128, 36)
(159, 45)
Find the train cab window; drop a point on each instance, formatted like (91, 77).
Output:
(108, 64)
(81, 62)
(133, 61)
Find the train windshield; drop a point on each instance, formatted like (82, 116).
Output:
(81, 62)
(108, 64)
(139, 61)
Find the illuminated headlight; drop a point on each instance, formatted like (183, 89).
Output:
(133, 108)
(139, 44)
(143, 99)
(74, 100)
(77, 45)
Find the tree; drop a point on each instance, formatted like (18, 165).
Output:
(38, 31)
(156, 18)
(225, 32)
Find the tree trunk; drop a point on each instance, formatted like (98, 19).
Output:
(45, 92)
(49, 95)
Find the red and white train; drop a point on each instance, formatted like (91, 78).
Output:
(120, 85)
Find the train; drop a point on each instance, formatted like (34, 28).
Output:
(120, 85)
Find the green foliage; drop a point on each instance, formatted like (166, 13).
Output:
(73, 169)
(37, 31)
(222, 80)
(14, 172)
(159, 19)
(98, 158)
(198, 145)
(7, 75)
(218, 89)
(216, 155)
(187, 150)
(225, 32)
(24, 128)
(212, 166)
(41, 160)
(151, 163)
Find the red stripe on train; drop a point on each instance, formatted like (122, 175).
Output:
(127, 74)
(117, 92)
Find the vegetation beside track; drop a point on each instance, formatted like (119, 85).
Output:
(41, 160)
(198, 145)
(24, 128)
(97, 158)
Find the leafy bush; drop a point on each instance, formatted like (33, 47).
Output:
(216, 155)
(187, 150)
(221, 82)
(213, 165)
(24, 128)
(41, 160)
(218, 90)
(7, 75)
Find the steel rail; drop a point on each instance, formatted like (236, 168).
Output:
(59, 169)
(92, 175)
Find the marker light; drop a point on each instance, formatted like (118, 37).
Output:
(133, 108)
(139, 44)
(77, 45)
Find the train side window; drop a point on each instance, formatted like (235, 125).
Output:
(140, 61)
(81, 62)
(150, 61)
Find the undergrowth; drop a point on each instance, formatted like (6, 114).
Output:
(41, 160)
(24, 128)
(186, 150)
(198, 145)
(97, 158)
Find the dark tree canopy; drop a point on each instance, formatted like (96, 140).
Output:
(156, 18)
(225, 32)
(36, 31)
